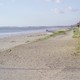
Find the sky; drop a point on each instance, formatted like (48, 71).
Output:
(39, 12)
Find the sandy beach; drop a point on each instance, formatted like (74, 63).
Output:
(51, 59)
(14, 40)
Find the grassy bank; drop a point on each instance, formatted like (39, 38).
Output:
(76, 32)
(54, 34)
(76, 35)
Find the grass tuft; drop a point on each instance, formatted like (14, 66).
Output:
(27, 41)
(54, 34)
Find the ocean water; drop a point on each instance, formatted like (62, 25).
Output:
(8, 31)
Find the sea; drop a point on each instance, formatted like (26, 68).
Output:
(9, 31)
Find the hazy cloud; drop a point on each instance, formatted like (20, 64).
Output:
(57, 11)
(70, 9)
(66, 10)
(57, 1)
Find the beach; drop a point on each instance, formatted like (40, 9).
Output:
(50, 59)
(39, 40)
(14, 40)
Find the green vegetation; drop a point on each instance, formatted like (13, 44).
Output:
(78, 46)
(76, 34)
(57, 33)
(54, 34)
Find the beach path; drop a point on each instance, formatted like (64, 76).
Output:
(51, 59)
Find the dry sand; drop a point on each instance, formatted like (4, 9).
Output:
(51, 59)
(12, 41)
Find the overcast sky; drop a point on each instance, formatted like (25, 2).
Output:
(39, 12)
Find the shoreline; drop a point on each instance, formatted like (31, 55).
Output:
(15, 40)
(9, 42)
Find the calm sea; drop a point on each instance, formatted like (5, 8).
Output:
(6, 31)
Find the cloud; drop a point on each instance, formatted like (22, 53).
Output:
(57, 11)
(66, 10)
(70, 9)
(57, 1)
